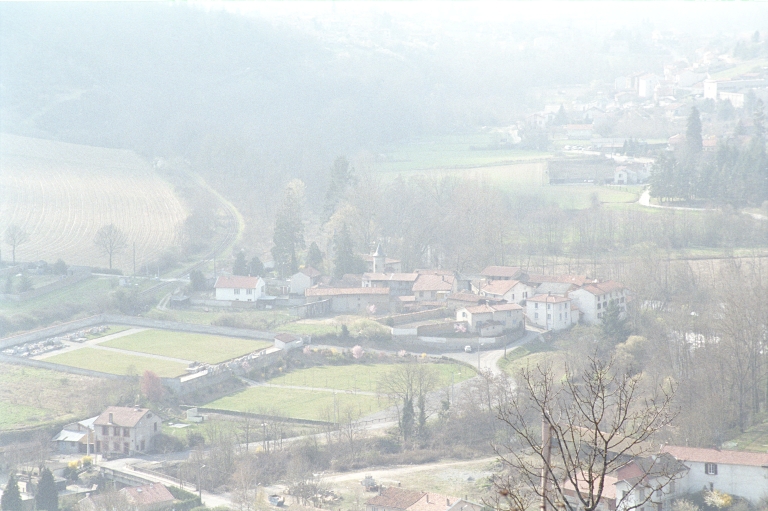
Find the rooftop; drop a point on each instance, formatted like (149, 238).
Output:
(397, 498)
(501, 271)
(121, 416)
(236, 282)
(499, 287)
(698, 454)
(340, 291)
(427, 282)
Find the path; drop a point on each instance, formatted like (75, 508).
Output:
(488, 360)
(397, 472)
(72, 346)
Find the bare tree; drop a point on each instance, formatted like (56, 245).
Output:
(15, 236)
(110, 240)
(407, 385)
(577, 430)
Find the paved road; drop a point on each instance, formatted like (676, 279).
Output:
(93, 343)
(488, 360)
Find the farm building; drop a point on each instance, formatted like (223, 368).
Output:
(366, 300)
(513, 291)
(288, 342)
(399, 284)
(125, 431)
(551, 312)
(399, 499)
(75, 438)
(239, 288)
(304, 279)
(490, 320)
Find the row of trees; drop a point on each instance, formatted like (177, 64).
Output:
(46, 496)
(736, 174)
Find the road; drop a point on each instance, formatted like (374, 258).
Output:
(488, 360)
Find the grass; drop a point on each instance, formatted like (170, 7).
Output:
(31, 397)
(739, 69)
(257, 320)
(362, 377)
(117, 363)
(527, 355)
(83, 293)
(109, 331)
(299, 403)
(188, 346)
(753, 439)
(580, 196)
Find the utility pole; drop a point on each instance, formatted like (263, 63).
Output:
(546, 451)
(134, 259)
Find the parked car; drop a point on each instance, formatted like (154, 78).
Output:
(467, 349)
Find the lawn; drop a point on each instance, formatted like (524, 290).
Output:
(580, 196)
(530, 355)
(257, 320)
(117, 363)
(299, 403)
(188, 346)
(362, 377)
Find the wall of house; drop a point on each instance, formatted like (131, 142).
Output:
(239, 295)
(740, 480)
(559, 314)
(359, 303)
(299, 283)
(587, 304)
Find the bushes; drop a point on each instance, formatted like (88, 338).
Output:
(167, 443)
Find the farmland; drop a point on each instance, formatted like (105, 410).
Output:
(311, 393)
(211, 349)
(31, 397)
(61, 194)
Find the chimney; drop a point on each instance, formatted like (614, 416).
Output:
(111, 417)
(427, 498)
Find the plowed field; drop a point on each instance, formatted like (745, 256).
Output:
(61, 194)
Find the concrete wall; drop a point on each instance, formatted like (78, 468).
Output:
(400, 319)
(42, 364)
(744, 481)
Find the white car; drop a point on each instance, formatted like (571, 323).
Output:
(467, 349)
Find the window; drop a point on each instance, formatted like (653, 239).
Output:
(561, 315)
(155, 426)
(566, 314)
(536, 316)
(117, 431)
(105, 430)
(549, 306)
(710, 469)
(126, 448)
(598, 305)
(116, 446)
(126, 432)
(535, 305)
(549, 316)
(142, 445)
(525, 294)
(237, 291)
(249, 291)
(513, 297)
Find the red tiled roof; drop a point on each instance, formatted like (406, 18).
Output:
(603, 287)
(310, 272)
(433, 502)
(501, 271)
(338, 291)
(153, 493)
(396, 498)
(398, 277)
(579, 280)
(465, 297)
(507, 307)
(480, 309)
(286, 337)
(499, 287)
(752, 459)
(427, 282)
(236, 282)
(121, 416)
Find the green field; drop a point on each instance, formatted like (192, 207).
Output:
(299, 403)
(451, 152)
(188, 346)
(580, 196)
(362, 377)
(117, 363)
(257, 320)
(31, 397)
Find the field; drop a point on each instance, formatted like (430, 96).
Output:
(115, 362)
(187, 346)
(516, 172)
(61, 194)
(31, 397)
(310, 393)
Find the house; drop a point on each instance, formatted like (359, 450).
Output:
(739, 473)
(551, 312)
(125, 431)
(506, 316)
(149, 497)
(554, 288)
(535, 279)
(646, 85)
(502, 273)
(288, 342)
(592, 299)
(399, 499)
(378, 262)
(456, 301)
(239, 288)
(624, 176)
(365, 300)
(512, 291)
(434, 286)
(303, 279)
(399, 284)
(76, 438)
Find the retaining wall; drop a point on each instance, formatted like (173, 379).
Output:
(263, 417)
(410, 317)
(42, 364)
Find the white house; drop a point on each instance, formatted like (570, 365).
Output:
(365, 300)
(550, 312)
(502, 273)
(239, 288)
(399, 284)
(513, 291)
(743, 474)
(288, 342)
(434, 286)
(593, 299)
(125, 431)
(304, 279)
(508, 316)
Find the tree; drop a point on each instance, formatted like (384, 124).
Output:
(345, 260)
(197, 280)
(408, 385)
(314, 256)
(289, 229)
(693, 140)
(111, 241)
(614, 325)
(152, 386)
(15, 236)
(256, 267)
(11, 499)
(47, 497)
(240, 267)
(342, 178)
(577, 429)
(59, 267)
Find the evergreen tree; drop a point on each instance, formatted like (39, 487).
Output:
(408, 418)
(345, 260)
(693, 140)
(615, 326)
(314, 257)
(47, 498)
(289, 229)
(342, 178)
(561, 118)
(256, 267)
(11, 500)
(240, 267)
(758, 118)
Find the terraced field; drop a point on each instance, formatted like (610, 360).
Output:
(61, 194)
